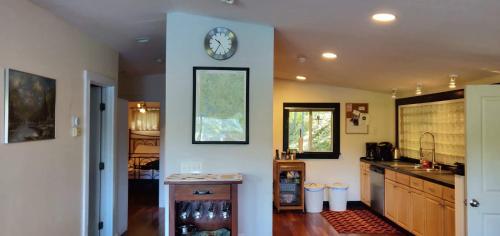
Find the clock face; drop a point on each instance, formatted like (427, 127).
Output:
(220, 43)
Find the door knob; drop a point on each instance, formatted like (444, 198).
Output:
(474, 203)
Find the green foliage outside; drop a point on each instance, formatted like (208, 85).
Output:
(317, 139)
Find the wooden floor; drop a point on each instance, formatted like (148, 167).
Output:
(145, 218)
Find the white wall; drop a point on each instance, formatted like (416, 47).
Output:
(122, 166)
(352, 146)
(41, 182)
(185, 35)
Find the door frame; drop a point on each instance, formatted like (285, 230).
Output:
(109, 148)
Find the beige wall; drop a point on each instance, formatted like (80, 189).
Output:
(352, 146)
(41, 182)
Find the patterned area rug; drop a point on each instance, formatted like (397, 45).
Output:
(358, 221)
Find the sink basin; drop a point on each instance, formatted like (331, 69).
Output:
(404, 165)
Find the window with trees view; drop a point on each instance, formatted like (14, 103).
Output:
(312, 128)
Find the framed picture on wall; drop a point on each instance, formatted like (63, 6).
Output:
(220, 105)
(357, 118)
(30, 107)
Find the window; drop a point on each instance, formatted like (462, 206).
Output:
(312, 128)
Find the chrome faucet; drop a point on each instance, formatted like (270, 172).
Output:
(433, 148)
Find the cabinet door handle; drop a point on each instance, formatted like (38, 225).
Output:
(202, 192)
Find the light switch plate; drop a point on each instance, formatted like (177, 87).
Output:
(191, 167)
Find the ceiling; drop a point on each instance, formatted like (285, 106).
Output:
(429, 40)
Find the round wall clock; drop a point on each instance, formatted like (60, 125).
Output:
(220, 43)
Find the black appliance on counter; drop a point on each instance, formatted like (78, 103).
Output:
(383, 152)
(371, 149)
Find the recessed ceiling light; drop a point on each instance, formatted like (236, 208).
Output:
(329, 55)
(142, 40)
(300, 77)
(384, 17)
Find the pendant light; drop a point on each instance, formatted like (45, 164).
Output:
(418, 91)
(452, 84)
(394, 93)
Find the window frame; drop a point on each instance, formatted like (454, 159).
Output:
(335, 107)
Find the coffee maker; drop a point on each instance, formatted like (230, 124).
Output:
(384, 152)
(371, 149)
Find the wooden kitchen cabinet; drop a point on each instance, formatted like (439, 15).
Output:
(434, 216)
(449, 218)
(390, 195)
(365, 183)
(417, 212)
(402, 195)
(421, 207)
(289, 177)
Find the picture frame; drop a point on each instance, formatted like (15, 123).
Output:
(220, 105)
(357, 118)
(30, 102)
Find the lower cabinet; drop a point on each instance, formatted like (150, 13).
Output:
(449, 218)
(390, 204)
(434, 216)
(402, 194)
(365, 183)
(419, 210)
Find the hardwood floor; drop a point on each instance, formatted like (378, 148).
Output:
(145, 218)
(300, 224)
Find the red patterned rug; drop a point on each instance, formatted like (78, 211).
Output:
(358, 221)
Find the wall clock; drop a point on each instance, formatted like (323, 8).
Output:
(221, 43)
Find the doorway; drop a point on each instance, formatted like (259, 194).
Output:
(96, 164)
(143, 167)
(99, 155)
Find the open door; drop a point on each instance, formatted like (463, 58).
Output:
(483, 159)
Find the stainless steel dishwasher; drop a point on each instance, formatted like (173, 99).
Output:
(377, 189)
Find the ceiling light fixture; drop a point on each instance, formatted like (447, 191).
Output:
(384, 17)
(329, 55)
(394, 93)
(453, 83)
(419, 89)
(301, 59)
(142, 107)
(230, 2)
(300, 77)
(142, 40)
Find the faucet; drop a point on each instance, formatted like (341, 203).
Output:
(433, 148)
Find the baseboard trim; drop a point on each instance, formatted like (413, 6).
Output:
(350, 204)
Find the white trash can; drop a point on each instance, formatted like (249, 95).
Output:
(314, 197)
(337, 197)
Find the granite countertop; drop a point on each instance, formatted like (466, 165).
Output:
(204, 178)
(444, 177)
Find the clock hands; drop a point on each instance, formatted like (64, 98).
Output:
(220, 45)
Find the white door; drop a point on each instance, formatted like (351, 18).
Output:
(483, 159)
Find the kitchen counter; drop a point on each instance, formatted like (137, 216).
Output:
(444, 177)
(204, 179)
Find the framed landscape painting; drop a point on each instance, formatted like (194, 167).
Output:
(30, 107)
(220, 105)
